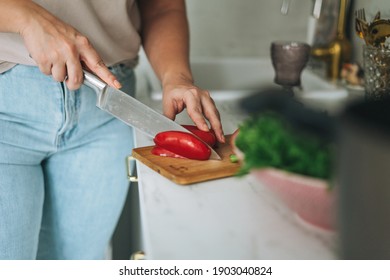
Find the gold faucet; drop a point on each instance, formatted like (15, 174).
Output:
(339, 50)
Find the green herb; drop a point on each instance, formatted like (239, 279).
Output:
(233, 158)
(268, 140)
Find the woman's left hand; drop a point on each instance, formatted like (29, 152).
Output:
(199, 104)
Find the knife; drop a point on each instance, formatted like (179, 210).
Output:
(133, 112)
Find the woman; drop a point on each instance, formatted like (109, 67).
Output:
(62, 186)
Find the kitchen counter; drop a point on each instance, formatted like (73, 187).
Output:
(231, 218)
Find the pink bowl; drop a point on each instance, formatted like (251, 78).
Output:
(310, 198)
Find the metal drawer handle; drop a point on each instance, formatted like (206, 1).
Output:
(130, 177)
(139, 255)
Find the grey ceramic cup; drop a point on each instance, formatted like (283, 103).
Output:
(289, 58)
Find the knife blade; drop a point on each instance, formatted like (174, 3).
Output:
(133, 112)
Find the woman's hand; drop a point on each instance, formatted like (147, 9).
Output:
(200, 106)
(57, 48)
(165, 37)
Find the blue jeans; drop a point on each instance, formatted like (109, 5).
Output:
(62, 167)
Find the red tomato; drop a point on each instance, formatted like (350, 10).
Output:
(159, 151)
(183, 144)
(207, 136)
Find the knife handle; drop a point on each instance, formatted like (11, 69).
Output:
(93, 81)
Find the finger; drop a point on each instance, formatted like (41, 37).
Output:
(170, 110)
(93, 61)
(194, 110)
(105, 74)
(212, 115)
(44, 64)
(216, 125)
(199, 120)
(58, 72)
(45, 68)
(75, 74)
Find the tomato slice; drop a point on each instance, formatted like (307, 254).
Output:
(184, 144)
(207, 136)
(159, 151)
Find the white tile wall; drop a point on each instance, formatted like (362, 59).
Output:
(247, 27)
(244, 27)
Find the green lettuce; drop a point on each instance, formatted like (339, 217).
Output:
(269, 140)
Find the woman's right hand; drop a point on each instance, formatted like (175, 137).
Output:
(57, 48)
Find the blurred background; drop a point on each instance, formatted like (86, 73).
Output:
(246, 28)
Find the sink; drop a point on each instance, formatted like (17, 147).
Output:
(225, 78)
(235, 78)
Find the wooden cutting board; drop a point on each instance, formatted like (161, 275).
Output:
(187, 171)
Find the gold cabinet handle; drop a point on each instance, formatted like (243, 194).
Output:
(130, 177)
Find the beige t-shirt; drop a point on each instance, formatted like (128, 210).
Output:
(111, 26)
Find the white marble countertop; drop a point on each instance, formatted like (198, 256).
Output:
(231, 218)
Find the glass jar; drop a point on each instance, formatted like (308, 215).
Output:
(376, 62)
